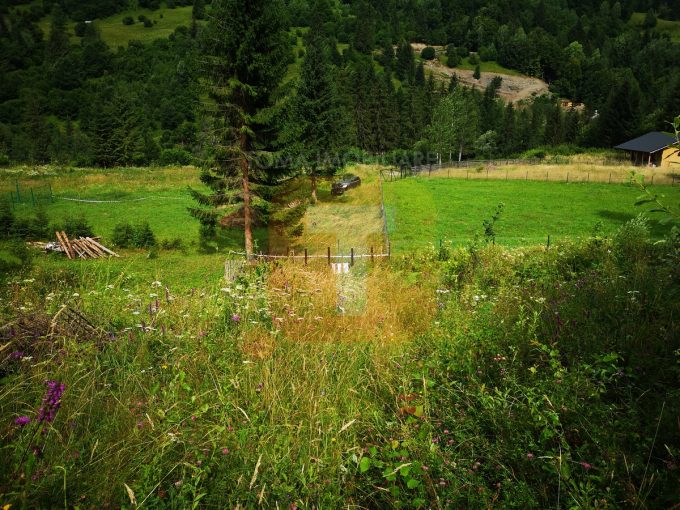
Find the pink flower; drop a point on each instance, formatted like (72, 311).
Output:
(586, 466)
(530, 456)
(236, 318)
(426, 468)
(225, 451)
(22, 421)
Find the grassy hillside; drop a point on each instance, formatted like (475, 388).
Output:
(421, 212)
(115, 33)
(672, 28)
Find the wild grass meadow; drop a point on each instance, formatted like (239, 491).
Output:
(474, 376)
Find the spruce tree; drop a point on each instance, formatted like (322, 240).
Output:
(198, 10)
(316, 129)
(477, 74)
(405, 62)
(246, 50)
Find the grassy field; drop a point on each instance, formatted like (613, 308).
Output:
(422, 211)
(115, 34)
(672, 28)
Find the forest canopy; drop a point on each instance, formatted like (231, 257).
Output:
(68, 97)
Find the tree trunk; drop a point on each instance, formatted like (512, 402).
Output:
(460, 153)
(314, 197)
(247, 213)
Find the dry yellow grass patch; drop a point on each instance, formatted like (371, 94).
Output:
(573, 172)
(305, 305)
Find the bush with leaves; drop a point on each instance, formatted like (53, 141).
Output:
(75, 226)
(127, 235)
(428, 53)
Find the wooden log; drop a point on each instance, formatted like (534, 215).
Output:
(87, 250)
(68, 242)
(91, 247)
(102, 247)
(63, 245)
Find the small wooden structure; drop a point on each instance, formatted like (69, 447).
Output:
(83, 247)
(653, 149)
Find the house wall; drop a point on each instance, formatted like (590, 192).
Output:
(671, 157)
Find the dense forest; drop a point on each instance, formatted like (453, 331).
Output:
(69, 98)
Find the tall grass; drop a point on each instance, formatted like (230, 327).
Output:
(475, 377)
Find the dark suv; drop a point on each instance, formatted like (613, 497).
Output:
(346, 182)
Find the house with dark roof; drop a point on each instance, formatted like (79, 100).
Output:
(653, 149)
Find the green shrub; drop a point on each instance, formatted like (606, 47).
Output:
(172, 244)
(488, 53)
(75, 226)
(128, 20)
(32, 228)
(144, 236)
(428, 53)
(473, 59)
(14, 256)
(452, 60)
(127, 235)
(175, 156)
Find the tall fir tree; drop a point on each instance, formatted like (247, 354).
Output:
(316, 129)
(406, 63)
(246, 49)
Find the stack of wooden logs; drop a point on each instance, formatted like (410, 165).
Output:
(83, 247)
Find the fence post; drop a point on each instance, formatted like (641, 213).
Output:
(371, 253)
(588, 177)
(305, 256)
(527, 176)
(652, 179)
(567, 177)
(548, 245)
(329, 255)
(389, 249)
(506, 174)
(610, 177)
(351, 257)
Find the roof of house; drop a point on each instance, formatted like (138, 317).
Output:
(651, 142)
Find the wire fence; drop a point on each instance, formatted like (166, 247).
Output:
(30, 195)
(507, 170)
(329, 257)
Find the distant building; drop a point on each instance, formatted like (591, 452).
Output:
(653, 149)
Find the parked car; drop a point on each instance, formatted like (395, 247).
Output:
(346, 182)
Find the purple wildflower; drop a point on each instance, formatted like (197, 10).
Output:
(236, 318)
(51, 402)
(17, 355)
(22, 421)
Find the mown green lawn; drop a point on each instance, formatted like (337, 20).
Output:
(159, 196)
(421, 212)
